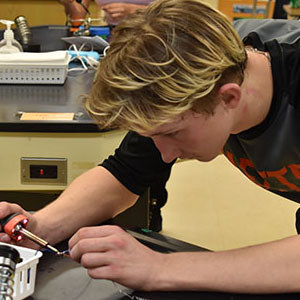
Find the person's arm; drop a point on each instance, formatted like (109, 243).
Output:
(108, 252)
(90, 199)
(118, 11)
(74, 10)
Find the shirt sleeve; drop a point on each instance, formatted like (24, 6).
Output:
(137, 163)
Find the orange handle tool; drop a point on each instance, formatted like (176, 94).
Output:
(12, 225)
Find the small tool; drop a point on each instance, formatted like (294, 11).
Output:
(14, 225)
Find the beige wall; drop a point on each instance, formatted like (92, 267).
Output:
(215, 206)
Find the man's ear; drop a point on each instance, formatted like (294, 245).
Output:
(230, 94)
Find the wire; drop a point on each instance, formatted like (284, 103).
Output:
(132, 297)
(105, 50)
(84, 66)
(86, 61)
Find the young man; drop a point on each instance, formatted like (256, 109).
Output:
(181, 80)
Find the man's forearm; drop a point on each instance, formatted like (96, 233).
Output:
(268, 268)
(73, 9)
(93, 197)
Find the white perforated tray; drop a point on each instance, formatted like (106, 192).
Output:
(25, 274)
(34, 68)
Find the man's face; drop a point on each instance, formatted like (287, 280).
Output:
(193, 135)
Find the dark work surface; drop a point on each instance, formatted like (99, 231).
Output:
(16, 99)
(209, 296)
(61, 278)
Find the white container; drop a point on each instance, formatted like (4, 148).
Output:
(25, 273)
(34, 68)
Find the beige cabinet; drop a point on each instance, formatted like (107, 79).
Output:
(82, 151)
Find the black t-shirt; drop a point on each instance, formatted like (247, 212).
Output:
(137, 164)
(268, 154)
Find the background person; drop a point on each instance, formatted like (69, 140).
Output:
(115, 10)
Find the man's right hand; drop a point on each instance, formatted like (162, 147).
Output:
(7, 209)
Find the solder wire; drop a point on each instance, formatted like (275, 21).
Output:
(132, 297)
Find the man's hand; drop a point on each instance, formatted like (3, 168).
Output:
(11, 208)
(108, 252)
(116, 12)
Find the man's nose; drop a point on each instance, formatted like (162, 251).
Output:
(167, 150)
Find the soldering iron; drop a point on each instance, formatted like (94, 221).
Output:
(14, 225)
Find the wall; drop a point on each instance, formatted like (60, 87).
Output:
(215, 206)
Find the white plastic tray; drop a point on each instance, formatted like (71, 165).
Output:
(34, 68)
(25, 274)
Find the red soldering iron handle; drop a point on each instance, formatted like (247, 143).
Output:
(9, 223)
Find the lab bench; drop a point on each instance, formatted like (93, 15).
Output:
(62, 278)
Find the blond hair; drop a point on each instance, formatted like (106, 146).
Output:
(163, 61)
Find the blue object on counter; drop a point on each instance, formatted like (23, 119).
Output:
(94, 54)
(100, 30)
